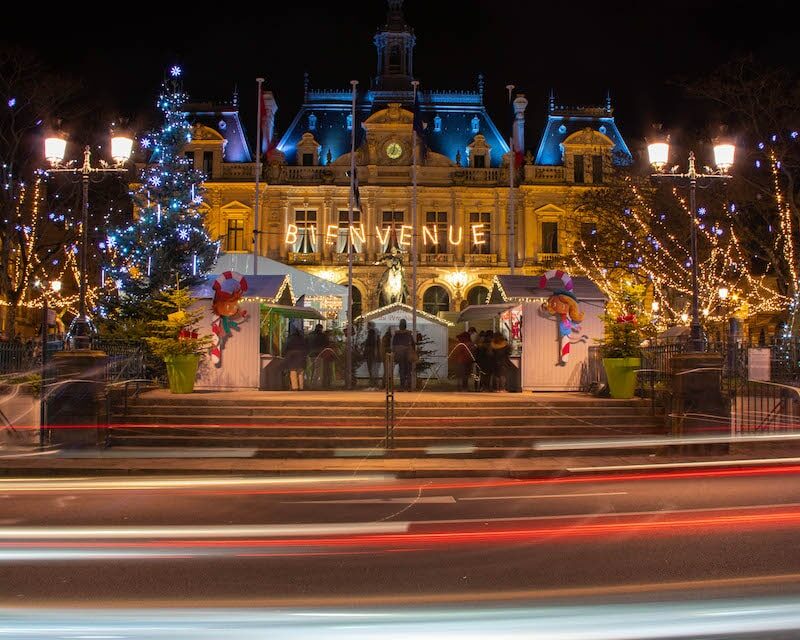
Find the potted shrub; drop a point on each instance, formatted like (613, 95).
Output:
(176, 339)
(621, 354)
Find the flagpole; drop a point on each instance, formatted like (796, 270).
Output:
(349, 336)
(414, 256)
(512, 249)
(258, 177)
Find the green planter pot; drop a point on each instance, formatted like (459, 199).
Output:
(181, 372)
(621, 374)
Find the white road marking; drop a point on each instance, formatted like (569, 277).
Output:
(409, 500)
(215, 531)
(184, 482)
(547, 495)
(609, 514)
(680, 465)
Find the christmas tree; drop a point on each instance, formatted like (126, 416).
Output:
(167, 240)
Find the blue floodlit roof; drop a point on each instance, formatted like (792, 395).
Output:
(225, 121)
(563, 123)
(456, 110)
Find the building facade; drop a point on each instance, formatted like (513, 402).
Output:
(470, 222)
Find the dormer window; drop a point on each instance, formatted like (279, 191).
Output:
(312, 122)
(476, 124)
(479, 152)
(308, 150)
(437, 124)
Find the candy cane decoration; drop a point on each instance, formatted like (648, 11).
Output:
(564, 349)
(217, 332)
(565, 325)
(558, 275)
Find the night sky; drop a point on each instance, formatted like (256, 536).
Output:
(579, 49)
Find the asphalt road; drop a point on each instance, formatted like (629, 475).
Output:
(220, 541)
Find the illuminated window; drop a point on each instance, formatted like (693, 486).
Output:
(208, 163)
(476, 124)
(343, 237)
(306, 223)
(589, 233)
(578, 168)
(355, 296)
(477, 295)
(234, 241)
(549, 237)
(391, 221)
(436, 222)
(597, 169)
(435, 299)
(437, 124)
(482, 218)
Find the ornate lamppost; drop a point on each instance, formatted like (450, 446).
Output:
(54, 151)
(723, 158)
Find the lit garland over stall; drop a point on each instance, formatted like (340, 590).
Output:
(663, 261)
(167, 240)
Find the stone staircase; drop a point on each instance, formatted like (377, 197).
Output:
(338, 427)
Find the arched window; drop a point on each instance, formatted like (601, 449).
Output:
(355, 295)
(436, 299)
(477, 295)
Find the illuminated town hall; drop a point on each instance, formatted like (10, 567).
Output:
(467, 213)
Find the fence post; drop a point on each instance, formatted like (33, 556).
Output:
(388, 374)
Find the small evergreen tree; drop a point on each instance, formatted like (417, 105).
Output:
(176, 332)
(167, 239)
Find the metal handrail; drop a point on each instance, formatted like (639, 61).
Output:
(388, 374)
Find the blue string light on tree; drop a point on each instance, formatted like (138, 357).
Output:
(167, 239)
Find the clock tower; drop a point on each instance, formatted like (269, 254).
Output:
(395, 48)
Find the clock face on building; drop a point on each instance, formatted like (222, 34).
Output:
(394, 150)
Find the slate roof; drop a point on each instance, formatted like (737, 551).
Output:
(266, 287)
(456, 110)
(523, 287)
(562, 122)
(223, 119)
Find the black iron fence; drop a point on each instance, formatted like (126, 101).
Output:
(126, 358)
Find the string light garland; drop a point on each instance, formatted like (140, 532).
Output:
(662, 262)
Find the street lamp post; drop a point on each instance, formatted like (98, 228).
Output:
(723, 158)
(55, 149)
(55, 287)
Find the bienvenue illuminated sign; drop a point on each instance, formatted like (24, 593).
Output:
(430, 234)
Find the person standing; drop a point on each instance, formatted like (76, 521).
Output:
(404, 349)
(295, 359)
(372, 353)
(501, 359)
(386, 348)
(319, 352)
(463, 358)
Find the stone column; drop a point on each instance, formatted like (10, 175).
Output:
(370, 223)
(501, 238)
(529, 224)
(77, 408)
(458, 221)
(285, 214)
(519, 214)
(326, 248)
(697, 394)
